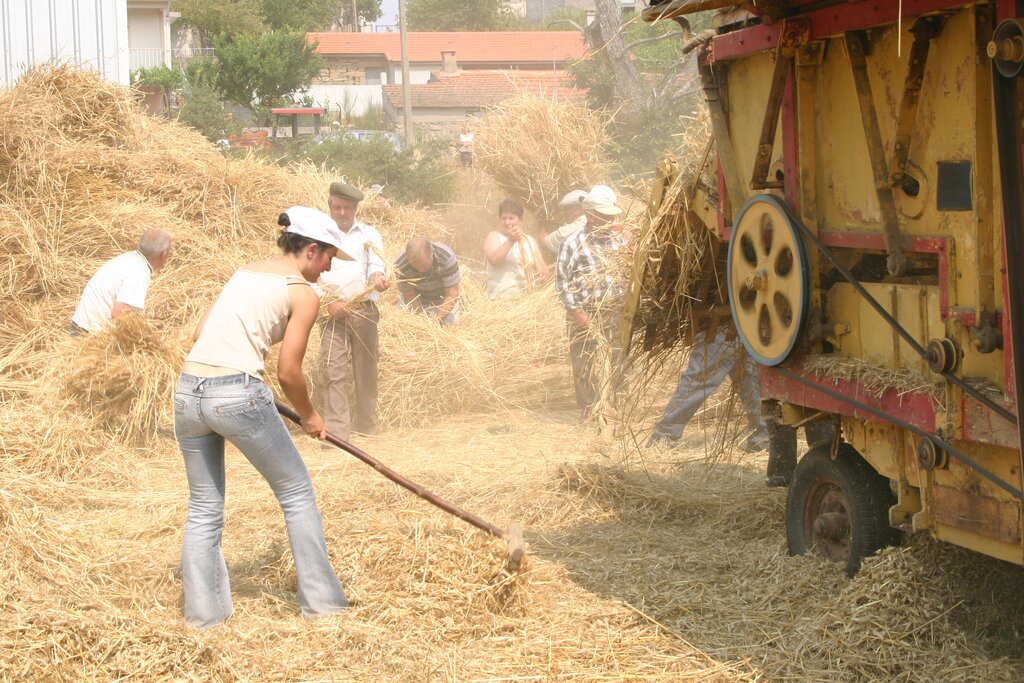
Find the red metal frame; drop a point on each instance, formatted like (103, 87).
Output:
(850, 16)
(915, 408)
(297, 110)
(1006, 9)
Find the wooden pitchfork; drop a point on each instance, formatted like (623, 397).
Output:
(514, 537)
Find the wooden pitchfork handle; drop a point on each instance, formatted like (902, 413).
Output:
(514, 537)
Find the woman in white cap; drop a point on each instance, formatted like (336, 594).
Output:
(221, 396)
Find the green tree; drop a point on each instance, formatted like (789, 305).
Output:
(235, 17)
(316, 15)
(652, 101)
(460, 15)
(260, 68)
(422, 174)
(160, 77)
(201, 108)
(221, 17)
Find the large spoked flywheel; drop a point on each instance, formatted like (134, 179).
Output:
(769, 286)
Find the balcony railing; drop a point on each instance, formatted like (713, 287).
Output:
(147, 58)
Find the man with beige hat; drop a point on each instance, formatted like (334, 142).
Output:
(589, 282)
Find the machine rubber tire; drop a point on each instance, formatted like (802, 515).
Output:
(838, 508)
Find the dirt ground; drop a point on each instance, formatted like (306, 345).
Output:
(643, 565)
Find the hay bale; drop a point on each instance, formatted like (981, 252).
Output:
(536, 150)
(122, 377)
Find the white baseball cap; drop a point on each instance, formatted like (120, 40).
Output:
(572, 199)
(601, 199)
(315, 225)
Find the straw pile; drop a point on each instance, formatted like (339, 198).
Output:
(705, 550)
(502, 353)
(874, 376)
(121, 377)
(536, 150)
(85, 184)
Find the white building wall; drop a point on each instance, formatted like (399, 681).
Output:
(353, 100)
(146, 29)
(90, 33)
(419, 73)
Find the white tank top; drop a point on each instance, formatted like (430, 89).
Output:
(248, 318)
(508, 278)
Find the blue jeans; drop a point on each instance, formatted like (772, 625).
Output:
(710, 362)
(240, 408)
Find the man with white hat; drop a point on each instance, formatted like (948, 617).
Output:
(350, 333)
(589, 283)
(573, 219)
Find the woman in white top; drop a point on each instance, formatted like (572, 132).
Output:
(221, 395)
(514, 260)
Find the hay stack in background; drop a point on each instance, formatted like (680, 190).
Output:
(536, 150)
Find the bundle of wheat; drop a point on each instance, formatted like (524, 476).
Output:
(536, 150)
(874, 376)
(122, 376)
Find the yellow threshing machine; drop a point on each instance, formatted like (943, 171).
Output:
(870, 193)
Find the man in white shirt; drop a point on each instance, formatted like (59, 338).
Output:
(573, 219)
(121, 284)
(352, 289)
(466, 147)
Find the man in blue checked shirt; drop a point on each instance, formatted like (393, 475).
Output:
(589, 282)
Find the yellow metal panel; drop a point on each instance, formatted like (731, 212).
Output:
(750, 81)
(871, 338)
(877, 442)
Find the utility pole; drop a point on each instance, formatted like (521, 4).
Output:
(355, 17)
(406, 85)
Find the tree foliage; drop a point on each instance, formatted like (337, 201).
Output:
(235, 17)
(161, 77)
(649, 114)
(421, 175)
(221, 17)
(315, 15)
(258, 68)
(201, 108)
(460, 15)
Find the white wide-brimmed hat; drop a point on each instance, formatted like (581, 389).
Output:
(316, 225)
(572, 199)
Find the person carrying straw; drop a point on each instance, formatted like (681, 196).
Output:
(514, 260)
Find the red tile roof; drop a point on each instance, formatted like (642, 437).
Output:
(496, 47)
(480, 88)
